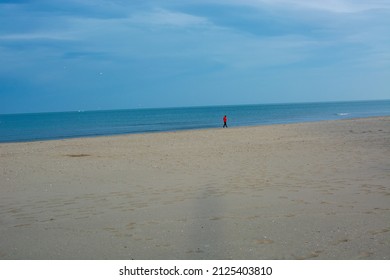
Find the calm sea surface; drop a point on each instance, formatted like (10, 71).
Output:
(45, 126)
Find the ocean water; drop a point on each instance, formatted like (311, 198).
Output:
(46, 126)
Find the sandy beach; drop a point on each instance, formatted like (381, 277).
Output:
(298, 191)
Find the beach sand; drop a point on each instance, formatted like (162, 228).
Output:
(297, 191)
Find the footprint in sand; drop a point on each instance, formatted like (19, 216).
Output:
(77, 155)
(300, 201)
(130, 226)
(314, 254)
(163, 245)
(197, 251)
(264, 241)
(311, 255)
(290, 215)
(375, 232)
(22, 225)
(364, 255)
(340, 241)
(82, 217)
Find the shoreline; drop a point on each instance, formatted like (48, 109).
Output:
(313, 190)
(183, 130)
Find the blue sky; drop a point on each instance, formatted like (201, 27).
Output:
(64, 55)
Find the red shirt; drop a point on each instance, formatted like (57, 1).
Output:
(224, 118)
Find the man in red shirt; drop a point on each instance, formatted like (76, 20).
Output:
(224, 121)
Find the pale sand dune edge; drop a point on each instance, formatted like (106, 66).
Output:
(299, 191)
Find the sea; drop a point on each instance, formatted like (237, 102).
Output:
(63, 125)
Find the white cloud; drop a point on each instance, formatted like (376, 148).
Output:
(338, 6)
(335, 6)
(37, 36)
(165, 17)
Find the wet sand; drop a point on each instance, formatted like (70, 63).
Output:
(299, 191)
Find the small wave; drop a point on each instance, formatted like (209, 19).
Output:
(342, 114)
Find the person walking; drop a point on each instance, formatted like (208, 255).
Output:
(224, 121)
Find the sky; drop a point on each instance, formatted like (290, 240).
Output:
(66, 55)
